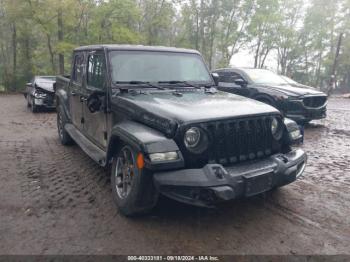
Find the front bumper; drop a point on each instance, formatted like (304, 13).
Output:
(298, 112)
(214, 183)
(47, 101)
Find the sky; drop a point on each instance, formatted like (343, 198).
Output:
(245, 58)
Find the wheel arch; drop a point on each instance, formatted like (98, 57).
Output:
(264, 98)
(142, 138)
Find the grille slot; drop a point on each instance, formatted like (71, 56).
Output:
(315, 101)
(234, 141)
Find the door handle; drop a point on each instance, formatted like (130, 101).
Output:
(73, 93)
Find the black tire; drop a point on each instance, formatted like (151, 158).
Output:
(142, 195)
(63, 135)
(34, 108)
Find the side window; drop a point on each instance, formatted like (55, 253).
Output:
(229, 77)
(224, 77)
(78, 68)
(96, 71)
(235, 76)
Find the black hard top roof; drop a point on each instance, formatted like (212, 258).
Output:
(136, 48)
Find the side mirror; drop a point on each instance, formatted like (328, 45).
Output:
(241, 82)
(94, 101)
(29, 84)
(215, 77)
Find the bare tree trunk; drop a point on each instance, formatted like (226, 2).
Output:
(264, 58)
(28, 57)
(257, 54)
(318, 71)
(201, 27)
(14, 54)
(197, 31)
(60, 39)
(333, 79)
(52, 55)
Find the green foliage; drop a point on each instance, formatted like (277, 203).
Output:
(302, 36)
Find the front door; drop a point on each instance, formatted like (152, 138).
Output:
(75, 90)
(95, 123)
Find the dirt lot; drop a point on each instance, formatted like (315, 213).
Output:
(55, 200)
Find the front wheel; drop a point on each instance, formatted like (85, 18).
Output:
(33, 106)
(132, 187)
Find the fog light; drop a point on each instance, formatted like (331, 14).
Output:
(167, 156)
(294, 135)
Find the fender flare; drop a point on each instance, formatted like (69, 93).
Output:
(62, 100)
(143, 138)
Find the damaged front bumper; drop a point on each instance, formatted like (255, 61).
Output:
(214, 183)
(45, 100)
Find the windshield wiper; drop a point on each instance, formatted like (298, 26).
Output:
(179, 82)
(148, 84)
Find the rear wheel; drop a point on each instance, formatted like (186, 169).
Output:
(132, 187)
(62, 133)
(34, 107)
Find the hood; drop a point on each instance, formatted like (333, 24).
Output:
(193, 106)
(293, 90)
(45, 84)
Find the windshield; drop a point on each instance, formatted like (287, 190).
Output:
(157, 67)
(289, 80)
(262, 76)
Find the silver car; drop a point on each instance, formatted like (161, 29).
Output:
(40, 93)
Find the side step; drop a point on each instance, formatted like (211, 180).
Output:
(93, 151)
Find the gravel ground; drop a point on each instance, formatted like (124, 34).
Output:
(55, 200)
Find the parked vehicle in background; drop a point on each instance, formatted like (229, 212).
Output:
(40, 93)
(154, 115)
(298, 102)
(295, 83)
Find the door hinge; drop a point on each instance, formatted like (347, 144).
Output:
(105, 135)
(82, 120)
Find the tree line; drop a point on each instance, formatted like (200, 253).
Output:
(309, 39)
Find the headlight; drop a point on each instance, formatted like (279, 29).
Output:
(196, 140)
(192, 137)
(276, 129)
(167, 156)
(39, 95)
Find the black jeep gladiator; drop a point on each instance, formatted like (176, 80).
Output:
(154, 117)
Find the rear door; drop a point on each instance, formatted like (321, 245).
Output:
(95, 123)
(76, 90)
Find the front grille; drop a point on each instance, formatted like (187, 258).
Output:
(233, 141)
(315, 101)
